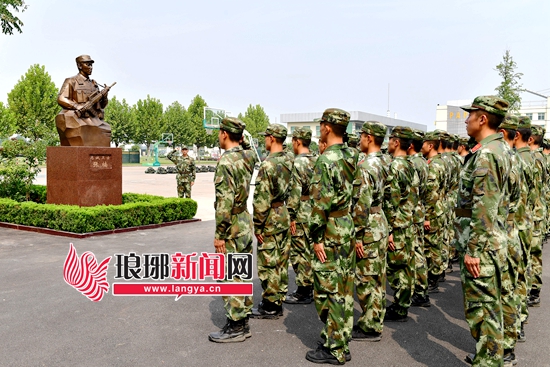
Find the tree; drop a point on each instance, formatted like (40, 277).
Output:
(175, 121)
(256, 120)
(6, 121)
(33, 103)
(120, 115)
(195, 114)
(510, 88)
(148, 118)
(7, 19)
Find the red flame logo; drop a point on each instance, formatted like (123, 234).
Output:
(85, 275)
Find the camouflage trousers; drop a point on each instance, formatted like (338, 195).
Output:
(433, 245)
(370, 285)
(511, 307)
(524, 272)
(273, 256)
(421, 265)
(300, 255)
(333, 294)
(401, 269)
(238, 307)
(184, 189)
(446, 246)
(536, 256)
(483, 308)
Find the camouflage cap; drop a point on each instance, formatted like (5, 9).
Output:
(510, 122)
(463, 141)
(233, 125)
(275, 130)
(84, 58)
(491, 104)
(184, 147)
(524, 122)
(443, 135)
(538, 130)
(302, 133)
(353, 140)
(432, 135)
(335, 116)
(374, 128)
(404, 132)
(418, 134)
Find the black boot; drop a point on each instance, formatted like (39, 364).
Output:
(395, 313)
(420, 301)
(534, 298)
(322, 355)
(433, 284)
(509, 358)
(521, 336)
(247, 332)
(267, 310)
(232, 332)
(302, 295)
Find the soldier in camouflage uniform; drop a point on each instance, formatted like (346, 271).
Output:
(515, 199)
(233, 222)
(371, 227)
(332, 231)
(463, 149)
(539, 214)
(272, 223)
(185, 165)
(525, 228)
(434, 206)
(299, 208)
(420, 295)
(401, 195)
(353, 144)
(480, 228)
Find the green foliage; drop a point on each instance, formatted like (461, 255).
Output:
(7, 127)
(176, 121)
(33, 103)
(135, 148)
(195, 114)
(9, 21)
(19, 165)
(121, 117)
(256, 120)
(510, 88)
(137, 210)
(148, 121)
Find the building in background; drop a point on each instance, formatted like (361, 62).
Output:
(357, 119)
(452, 118)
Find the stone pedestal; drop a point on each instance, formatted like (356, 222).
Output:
(84, 176)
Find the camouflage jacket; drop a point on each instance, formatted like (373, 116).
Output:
(270, 193)
(421, 167)
(368, 194)
(481, 191)
(528, 188)
(436, 188)
(331, 190)
(511, 199)
(232, 184)
(401, 193)
(298, 203)
(184, 165)
(452, 179)
(539, 212)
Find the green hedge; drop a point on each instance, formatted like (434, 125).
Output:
(136, 210)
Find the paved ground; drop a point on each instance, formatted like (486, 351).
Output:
(45, 322)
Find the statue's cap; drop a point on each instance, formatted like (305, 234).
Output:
(84, 58)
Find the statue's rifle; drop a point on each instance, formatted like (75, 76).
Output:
(94, 98)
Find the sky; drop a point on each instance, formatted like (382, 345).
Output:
(287, 56)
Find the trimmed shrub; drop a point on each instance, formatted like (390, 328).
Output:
(136, 210)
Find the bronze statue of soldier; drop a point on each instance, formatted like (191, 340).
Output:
(81, 123)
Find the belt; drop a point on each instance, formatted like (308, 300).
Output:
(339, 213)
(375, 209)
(465, 213)
(277, 204)
(511, 217)
(238, 210)
(304, 197)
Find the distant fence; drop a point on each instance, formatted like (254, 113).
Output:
(130, 157)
